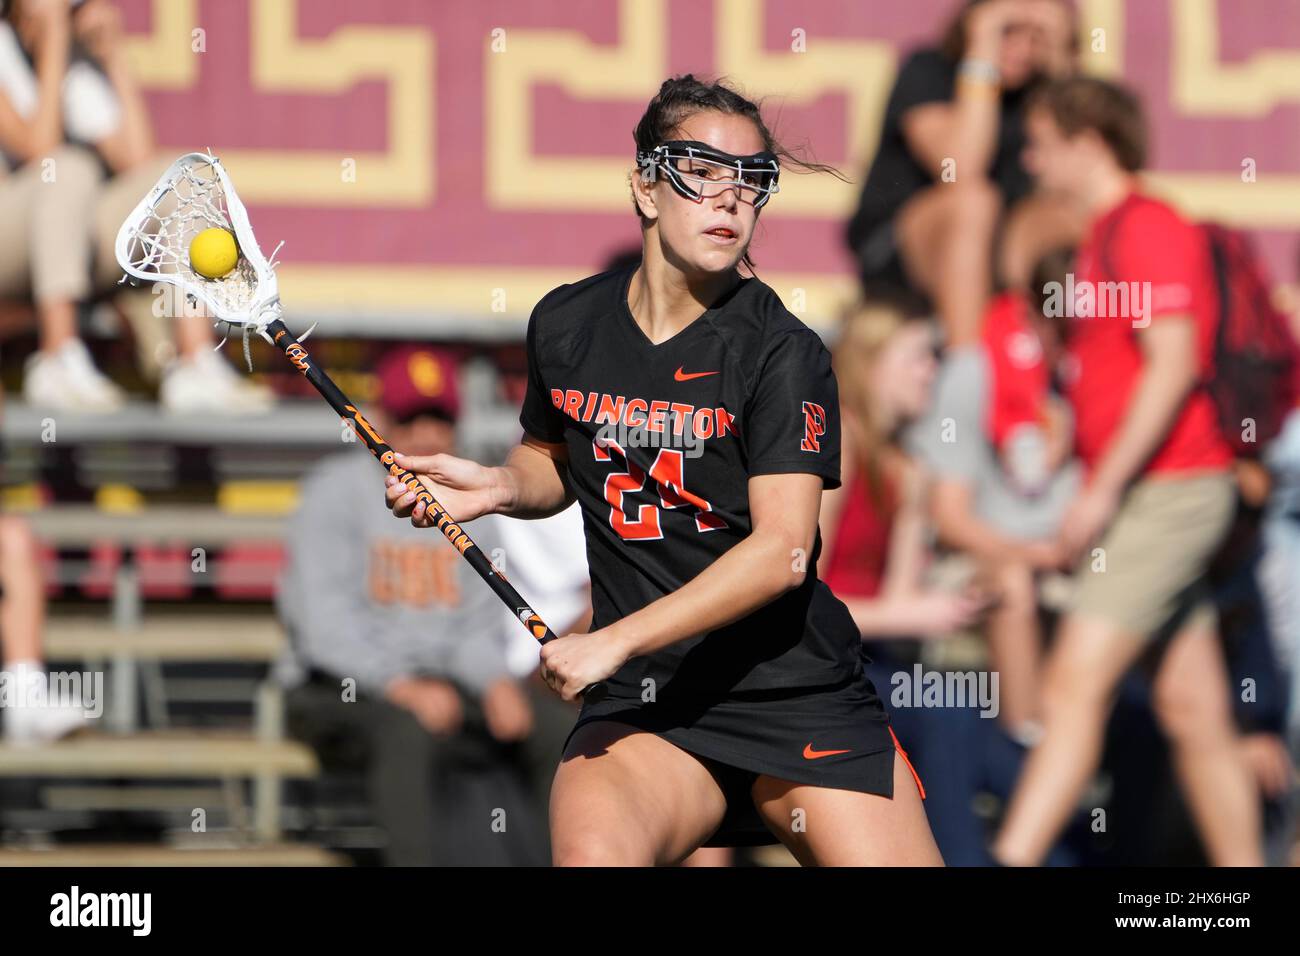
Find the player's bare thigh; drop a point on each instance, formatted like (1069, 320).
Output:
(825, 827)
(625, 797)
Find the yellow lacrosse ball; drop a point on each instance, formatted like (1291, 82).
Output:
(213, 253)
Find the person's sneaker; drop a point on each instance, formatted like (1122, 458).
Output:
(33, 726)
(30, 724)
(207, 383)
(67, 380)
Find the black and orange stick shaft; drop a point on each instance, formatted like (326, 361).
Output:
(450, 529)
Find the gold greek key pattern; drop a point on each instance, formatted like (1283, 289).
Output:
(284, 62)
(861, 69)
(1204, 86)
(634, 67)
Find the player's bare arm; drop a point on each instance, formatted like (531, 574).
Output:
(537, 479)
(531, 484)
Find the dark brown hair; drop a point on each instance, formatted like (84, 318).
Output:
(1113, 112)
(865, 328)
(681, 97)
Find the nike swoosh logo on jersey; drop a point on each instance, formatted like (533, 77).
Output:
(687, 376)
(810, 754)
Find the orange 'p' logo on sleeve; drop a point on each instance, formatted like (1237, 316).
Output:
(814, 426)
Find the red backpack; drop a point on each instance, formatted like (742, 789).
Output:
(1256, 357)
(1256, 367)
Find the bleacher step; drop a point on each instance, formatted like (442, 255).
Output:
(225, 638)
(281, 854)
(159, 754)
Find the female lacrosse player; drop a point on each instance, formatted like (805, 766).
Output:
(696, 422)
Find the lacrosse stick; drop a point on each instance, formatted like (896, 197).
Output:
(153, 246)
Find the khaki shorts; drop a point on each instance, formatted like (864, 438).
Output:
(1149, 575)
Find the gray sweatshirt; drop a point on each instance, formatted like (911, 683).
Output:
(367, 595)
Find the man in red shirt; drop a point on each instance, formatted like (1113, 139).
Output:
(1158, 497)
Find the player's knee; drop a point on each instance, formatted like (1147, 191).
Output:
(598, 849)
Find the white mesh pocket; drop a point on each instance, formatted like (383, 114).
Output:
(154, 242)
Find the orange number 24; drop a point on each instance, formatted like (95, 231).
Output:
(667, 472)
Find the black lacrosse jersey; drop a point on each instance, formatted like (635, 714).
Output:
(662, 441)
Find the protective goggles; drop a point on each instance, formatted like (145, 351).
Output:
(697, 171)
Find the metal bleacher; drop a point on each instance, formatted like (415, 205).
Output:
(124, 505)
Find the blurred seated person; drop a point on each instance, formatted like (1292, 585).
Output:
(76, 155)
(875, 550)
(397, 641)
(873, 526)
(546, 561)
(22, 629)
(998, 441)
(947, 184)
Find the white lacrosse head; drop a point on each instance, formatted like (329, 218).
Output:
(153, 244)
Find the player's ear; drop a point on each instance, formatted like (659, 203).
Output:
(643, 195)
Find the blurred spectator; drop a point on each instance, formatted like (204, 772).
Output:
(1274, 581)
(1280, 569)
(997, 441)
(873, 525)
(22, 629)
(875, 549)
(22, 623)
(399, 613)
(947, 178)
(1281, 563)
(546, 561)
(1159, 494)
(1250, 643)
(77, 146)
